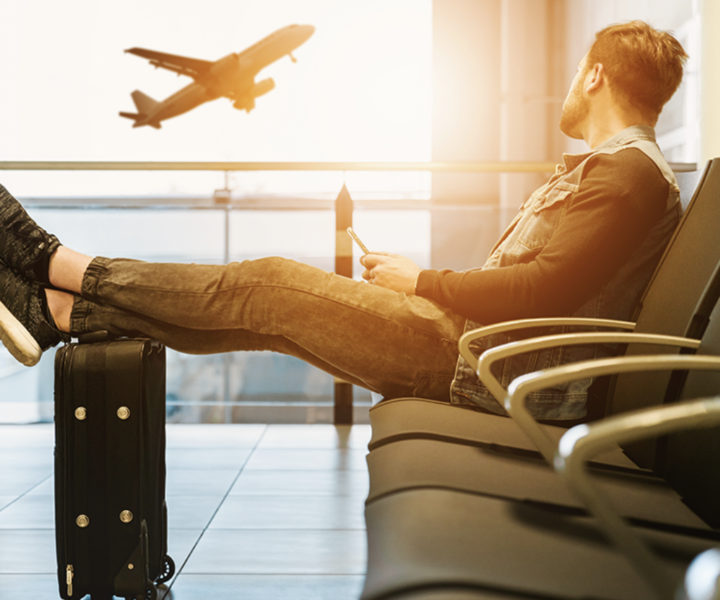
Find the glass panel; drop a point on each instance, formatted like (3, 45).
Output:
(237, 387)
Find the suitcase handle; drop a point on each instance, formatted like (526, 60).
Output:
(93, 337)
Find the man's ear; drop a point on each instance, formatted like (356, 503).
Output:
(595, 78)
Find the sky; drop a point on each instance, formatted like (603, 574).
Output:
(360, 90)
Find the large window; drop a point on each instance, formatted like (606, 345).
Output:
(360, 91)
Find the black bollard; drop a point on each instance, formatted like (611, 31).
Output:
(343, 393)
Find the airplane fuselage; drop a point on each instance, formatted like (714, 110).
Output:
(233, 76)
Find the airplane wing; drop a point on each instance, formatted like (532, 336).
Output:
(192, 67)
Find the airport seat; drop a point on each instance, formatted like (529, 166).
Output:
(700, 585)
(454, 594)
(699, 463)
(579, 444)
(484, 517)
(446, 539)
(506, 472)
(526, 541)
(667, 307)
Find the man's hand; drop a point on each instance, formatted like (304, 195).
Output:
(390, 271)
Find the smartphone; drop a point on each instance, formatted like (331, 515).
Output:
(354, 236)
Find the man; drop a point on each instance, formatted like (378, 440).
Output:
(585, 244)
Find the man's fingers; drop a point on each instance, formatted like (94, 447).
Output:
(369, 261)
(375, 258)
(371, 274)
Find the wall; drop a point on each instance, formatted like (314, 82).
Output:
(501, 71)
(709, 87)
(491, 101)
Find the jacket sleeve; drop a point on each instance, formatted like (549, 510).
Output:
(620, 199)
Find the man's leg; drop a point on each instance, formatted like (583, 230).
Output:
(66, 268)
(385, 341)
(374, 337)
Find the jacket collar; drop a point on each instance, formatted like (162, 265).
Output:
(626, 136)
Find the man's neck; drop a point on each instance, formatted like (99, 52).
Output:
(602, 133)
(599, 130)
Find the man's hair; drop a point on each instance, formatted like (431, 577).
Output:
(644, 66)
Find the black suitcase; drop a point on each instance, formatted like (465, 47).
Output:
(110, 511)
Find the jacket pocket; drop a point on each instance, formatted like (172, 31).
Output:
(542, 218)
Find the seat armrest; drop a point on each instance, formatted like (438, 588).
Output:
(491, 356)
(524, 385)
(581, 443)
(471, 336)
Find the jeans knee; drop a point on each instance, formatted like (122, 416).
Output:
(269, 264)
(285, 272)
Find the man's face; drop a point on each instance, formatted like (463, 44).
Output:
(575, 108)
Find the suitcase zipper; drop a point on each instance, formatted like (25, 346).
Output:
(70, 573)
(67, 360)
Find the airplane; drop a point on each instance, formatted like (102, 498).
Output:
(233, 76)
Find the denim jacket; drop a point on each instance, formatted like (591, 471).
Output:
(532, 229)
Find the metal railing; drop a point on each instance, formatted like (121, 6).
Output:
(434, 167)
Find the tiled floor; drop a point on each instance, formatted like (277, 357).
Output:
(256, 512)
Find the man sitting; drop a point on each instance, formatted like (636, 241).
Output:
(584, 244)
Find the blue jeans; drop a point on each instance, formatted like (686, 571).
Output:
(387, 342)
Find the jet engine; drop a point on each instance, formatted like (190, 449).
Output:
(247, 102)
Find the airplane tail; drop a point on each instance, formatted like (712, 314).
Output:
(144, 105)
(143, 102)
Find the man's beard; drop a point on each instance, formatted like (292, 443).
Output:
(575, 111)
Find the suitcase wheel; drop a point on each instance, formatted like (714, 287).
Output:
(168, 570)
(150, 593)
